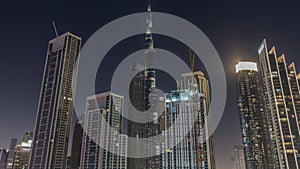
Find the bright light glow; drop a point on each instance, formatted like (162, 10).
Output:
(246, 66)
(261, 47)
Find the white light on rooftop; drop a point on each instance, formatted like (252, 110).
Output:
(246, 66)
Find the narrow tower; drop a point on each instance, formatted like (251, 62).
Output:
(144, 98)
(54, 114)
(255, 135)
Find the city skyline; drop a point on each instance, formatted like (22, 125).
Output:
(33, 74)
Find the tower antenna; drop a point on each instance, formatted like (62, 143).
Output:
(54, 27)
(149, 40)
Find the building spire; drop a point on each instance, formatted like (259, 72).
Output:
(149, 39)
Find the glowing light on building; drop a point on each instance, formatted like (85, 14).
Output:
(246, 66)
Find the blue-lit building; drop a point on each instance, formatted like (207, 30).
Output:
(188, 105)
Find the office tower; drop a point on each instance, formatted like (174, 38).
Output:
(3, 158)
(239, 157)
(11, 153)
(76, 145)
(54, 114)
(281, 96)
(254, 130)
(191, 105)
(102, 142)
(22, 152)
(141, 95)
(199, 84)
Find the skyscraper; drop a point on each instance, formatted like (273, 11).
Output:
(191, 105)
(54, 114)
(239, 157)
(103, 148)
(141, 95)
(11, 153)
(22, 152)
(281, 96)
(255, 134)
(3, 158)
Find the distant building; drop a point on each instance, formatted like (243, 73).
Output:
(55, 108)
(11, 153)
(254, 127)
(101, 146)
(239, 157)
(22, 152)
(3, 158)
(282, 100)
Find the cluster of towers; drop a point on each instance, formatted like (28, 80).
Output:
(100, 140)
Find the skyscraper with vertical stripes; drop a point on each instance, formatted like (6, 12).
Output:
(55, 108)
(103, 147)
(281, 96)
(188, 105)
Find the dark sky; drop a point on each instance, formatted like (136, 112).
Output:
(235, 28)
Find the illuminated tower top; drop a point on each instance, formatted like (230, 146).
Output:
(149, 39)
(252, 66)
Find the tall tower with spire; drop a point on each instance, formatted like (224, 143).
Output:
(149, 52)
(144, 98)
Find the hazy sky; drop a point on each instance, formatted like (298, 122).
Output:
(235, 28)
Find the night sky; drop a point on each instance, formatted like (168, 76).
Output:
(236, 29)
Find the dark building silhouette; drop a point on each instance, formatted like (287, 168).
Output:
(11, 153)
(76, 145)
(3, 158)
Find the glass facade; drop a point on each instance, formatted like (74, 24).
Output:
(141, 95)
(54, 114)
(255, 135)
(101, 146)
(190, 103)
(281, 95)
